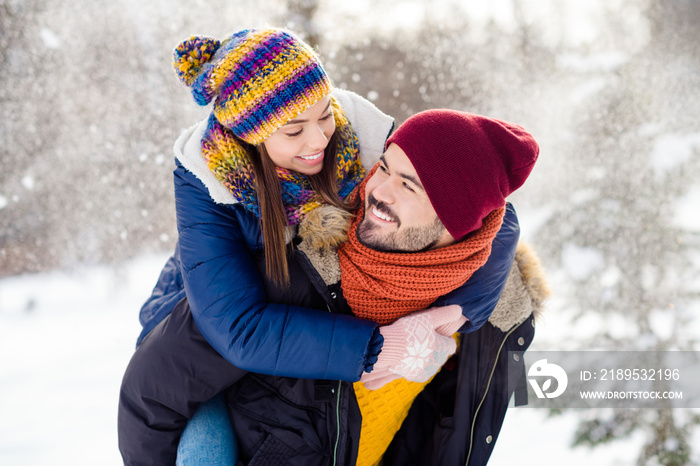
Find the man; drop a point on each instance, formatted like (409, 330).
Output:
(428, 216)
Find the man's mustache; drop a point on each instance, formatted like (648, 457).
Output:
(381, 207)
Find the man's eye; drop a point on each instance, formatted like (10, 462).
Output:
(383, 168)
(406, 185)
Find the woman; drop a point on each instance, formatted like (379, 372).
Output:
(277, 144)
(274, 124)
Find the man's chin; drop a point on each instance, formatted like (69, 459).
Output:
(369, 235)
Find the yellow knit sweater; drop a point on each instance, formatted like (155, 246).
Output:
(383, 412)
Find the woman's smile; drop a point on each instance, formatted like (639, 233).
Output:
(312, 159)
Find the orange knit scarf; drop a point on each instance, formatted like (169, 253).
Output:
(384, 286)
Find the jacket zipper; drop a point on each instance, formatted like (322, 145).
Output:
(337, 425)
(488, 386)
(337, 415)
(316, 279)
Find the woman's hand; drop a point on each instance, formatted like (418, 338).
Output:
(416, 346)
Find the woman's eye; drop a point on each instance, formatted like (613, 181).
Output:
(327, 117)
(296, 133)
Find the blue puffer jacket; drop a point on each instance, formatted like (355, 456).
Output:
(214, 266)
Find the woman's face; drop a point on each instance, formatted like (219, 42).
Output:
(299, 144)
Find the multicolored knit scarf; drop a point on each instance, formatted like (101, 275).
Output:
(226, 157)
(384, 286)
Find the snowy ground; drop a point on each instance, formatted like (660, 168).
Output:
(65, 340)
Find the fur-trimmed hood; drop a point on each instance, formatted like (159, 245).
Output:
(525, 292)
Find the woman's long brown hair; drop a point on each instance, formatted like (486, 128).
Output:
(273, 218)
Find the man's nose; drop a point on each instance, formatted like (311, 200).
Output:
(384, 192)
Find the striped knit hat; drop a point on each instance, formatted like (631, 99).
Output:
(258, 79)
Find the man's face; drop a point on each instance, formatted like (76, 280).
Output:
(398, 214)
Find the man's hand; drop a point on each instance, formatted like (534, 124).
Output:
(416, 346)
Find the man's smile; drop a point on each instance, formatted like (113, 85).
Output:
(382, 216)
(380, 211)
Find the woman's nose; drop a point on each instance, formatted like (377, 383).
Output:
(318, 139)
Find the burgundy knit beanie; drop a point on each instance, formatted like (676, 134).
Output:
(468, 164)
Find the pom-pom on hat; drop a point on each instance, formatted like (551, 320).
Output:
(258, 79)
(468, 164)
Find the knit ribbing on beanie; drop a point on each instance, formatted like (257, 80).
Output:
(475, 159)
(228, 160)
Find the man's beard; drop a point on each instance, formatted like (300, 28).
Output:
(411, 239)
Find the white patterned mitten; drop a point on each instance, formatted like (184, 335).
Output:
(416, 346)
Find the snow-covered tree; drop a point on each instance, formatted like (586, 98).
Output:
(620, 231)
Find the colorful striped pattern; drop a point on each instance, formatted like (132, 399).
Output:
(258, 79)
